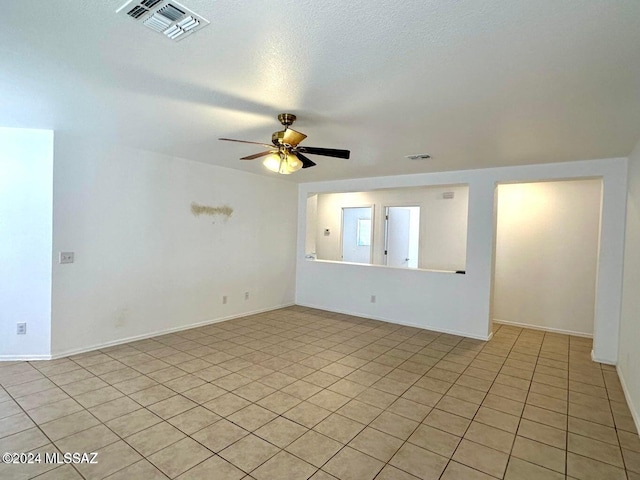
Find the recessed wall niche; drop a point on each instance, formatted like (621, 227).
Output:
(414, 227)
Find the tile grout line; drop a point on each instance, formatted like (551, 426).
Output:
(434, 340)
(252, 433)
(383, 411)
(615, 424)
(104, 423)
(404, 442)
(375, 418)
(485, 396)
(40, 429)
(348, 338)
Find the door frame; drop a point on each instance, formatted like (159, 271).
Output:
(373, 225)
(492, 289)
(385, 219)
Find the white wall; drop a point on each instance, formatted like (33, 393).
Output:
(144, 263)
(312, 212)
(547, 254)
(443, 223)
(462, 303)
(629, 358)
(26, 181)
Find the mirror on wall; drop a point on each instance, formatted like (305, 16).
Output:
(410, 227)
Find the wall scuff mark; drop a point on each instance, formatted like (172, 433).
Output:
(224, 210)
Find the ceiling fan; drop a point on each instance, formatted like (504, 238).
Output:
(286, 155)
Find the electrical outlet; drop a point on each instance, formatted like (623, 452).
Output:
(21, 329)
(246, 295)
(66, 257)
(224, 299)
(373, 299)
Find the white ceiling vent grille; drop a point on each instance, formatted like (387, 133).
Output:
(448, 195)
(170, 18)
(137, 11)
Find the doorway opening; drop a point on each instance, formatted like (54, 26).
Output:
(546, 255)
(357, 232)
(402, 236)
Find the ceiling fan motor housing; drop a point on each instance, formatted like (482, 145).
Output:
(287, 119)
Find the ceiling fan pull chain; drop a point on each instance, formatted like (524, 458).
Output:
(283, 161)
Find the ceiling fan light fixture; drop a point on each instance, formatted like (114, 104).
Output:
(284, 163)
(285, 155)
(293, 163)
(272, 162)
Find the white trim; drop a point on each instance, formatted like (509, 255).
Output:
(602, 360)
(544, 329)
(144, 336)
(165, 331)
(371, 265)
(627, 396)
(23, 358)
(484, 338)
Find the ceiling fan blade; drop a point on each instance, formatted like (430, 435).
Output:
(292, 137)
(258, 155)
(306, 162)
(327, 152)
(244, 141)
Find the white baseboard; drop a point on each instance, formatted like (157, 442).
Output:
(97, 346)
(602, 360)
(399, 322)
(544, 329)
(164, 332)
(23, 358)
(627, 396)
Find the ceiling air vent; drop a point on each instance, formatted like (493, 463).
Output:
(157, 22)
(448, 195)
(170, 18)
(137, 11)
(171, 12)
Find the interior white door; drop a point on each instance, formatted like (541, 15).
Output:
(356, 234)
(398, 236)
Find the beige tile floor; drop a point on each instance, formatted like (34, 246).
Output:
(300, 393)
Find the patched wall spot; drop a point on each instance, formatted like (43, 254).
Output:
(224, 210)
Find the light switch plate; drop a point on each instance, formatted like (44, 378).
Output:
(21, 329)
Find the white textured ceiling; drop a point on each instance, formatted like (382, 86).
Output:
(473, 83)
